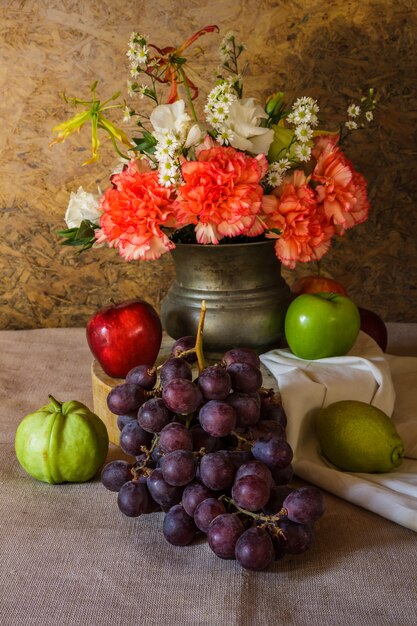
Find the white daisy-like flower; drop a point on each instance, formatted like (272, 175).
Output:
(302, 151)
(302, 115)
(142, 55)
(354, 110)
(274, 178)
(225, 136)
(303, 132)
(351, 125)
(283, 164)
(134, 72)
(369, 116)
(131, 88)
(127, 114)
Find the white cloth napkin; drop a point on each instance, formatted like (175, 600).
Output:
(367, 374)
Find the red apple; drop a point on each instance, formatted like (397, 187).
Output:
(124, 335)
(374, 326)
(317, 284)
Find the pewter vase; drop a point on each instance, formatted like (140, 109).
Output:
(245, 294)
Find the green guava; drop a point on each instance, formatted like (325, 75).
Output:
(61, 442)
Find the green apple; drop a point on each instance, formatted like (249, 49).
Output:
(321, 325)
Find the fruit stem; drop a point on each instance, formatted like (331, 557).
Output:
(261, 517)
(55, 403)
(199, 338)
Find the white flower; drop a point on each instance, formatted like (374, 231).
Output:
(82, 206)
(369, 116)
(194, 137)
(171, 117)
(303, 132)
(244, 119)
(351, 125)
(302, 151)
(354, 110)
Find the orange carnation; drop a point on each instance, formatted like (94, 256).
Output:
(134, 210)
(340, 189)
(221, 193)
(304, 232)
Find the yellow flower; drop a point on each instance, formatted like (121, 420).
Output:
(93, 113)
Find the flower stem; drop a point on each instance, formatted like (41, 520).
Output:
(187, 91)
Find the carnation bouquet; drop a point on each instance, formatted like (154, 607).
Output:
(238, 171)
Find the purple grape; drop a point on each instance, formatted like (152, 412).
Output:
(193, 495)
(174, 368)
(304, 505)
(245, 377)
(215, 383)
(175, 436)
(217, 418)
(153, 415)
(217, 471)
(206, 512)
(246, 406)
(182, 396)
(255, 468)
(242, 355)
(179, 528)
(237, 457)
(264, 427)
(272, 451)
(251, 492)
(179, 467)
(282, 476)
(297, 537)
(122, 420)
(271, 410)
(143, 375)
(132, 438)
(223, 533)
(201, 439)
(276, 499)
(115, 474)
(165, 495)
(125, 398)
(254, 549)
(132, 498)
(181, 345)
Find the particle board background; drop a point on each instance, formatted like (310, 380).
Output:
(331, 50)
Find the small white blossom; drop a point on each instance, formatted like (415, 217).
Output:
(302, 151)
(354, 110)
(127, 114)
(303, 132)
(369, 116)
(274, 178)
(351, 125)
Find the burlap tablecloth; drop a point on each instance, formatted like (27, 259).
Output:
(69, 557)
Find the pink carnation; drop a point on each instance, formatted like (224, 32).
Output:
(304, 232)
(134, 210)
(221, 193)
(340, 189)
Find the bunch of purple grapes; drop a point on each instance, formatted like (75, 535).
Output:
(210, 451)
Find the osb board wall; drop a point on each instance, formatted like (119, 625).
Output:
(331, 50)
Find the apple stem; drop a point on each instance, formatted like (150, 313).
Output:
(55, 403)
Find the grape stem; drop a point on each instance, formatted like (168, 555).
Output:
(139, 468)
(199, 338)
(268, 520)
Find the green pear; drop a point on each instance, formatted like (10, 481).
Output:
(358, 437)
